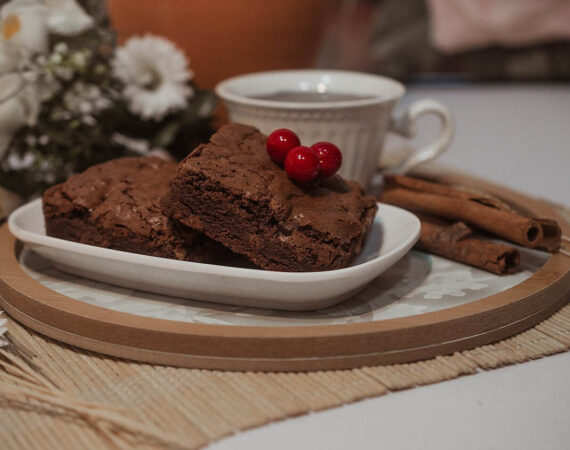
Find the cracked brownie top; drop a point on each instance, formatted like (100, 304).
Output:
(235, 161)
(117, 205)
(125, 192)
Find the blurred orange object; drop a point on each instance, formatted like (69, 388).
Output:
(224, 38)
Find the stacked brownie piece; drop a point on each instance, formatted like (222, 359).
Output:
(117, 205)
(227, 197)
(230, 190)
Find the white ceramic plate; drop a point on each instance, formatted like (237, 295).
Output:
(393, 233)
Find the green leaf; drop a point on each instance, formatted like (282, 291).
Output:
(166, 135)
(201, 106)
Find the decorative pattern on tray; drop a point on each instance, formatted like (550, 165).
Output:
(417, 284)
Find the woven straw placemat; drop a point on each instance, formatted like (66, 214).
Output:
(54, 396)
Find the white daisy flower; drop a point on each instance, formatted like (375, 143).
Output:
(155, 74)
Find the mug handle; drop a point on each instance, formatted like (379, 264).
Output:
(405, 125)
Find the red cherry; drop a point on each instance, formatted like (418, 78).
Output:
(279, 142)
(329, 156)
(302, 164)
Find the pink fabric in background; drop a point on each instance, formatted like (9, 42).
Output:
(458, 25)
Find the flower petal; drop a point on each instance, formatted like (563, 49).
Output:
(67, 17)
(31, 34)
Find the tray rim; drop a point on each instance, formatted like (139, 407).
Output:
(311, 347)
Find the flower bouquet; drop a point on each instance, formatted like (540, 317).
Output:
(70, 97)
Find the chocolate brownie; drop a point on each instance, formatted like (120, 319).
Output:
(117, 205)
(230, 190)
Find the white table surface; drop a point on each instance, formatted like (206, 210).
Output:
(517, 135)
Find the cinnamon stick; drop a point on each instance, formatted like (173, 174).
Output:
(552, 235)
(418, 184)
(507, 225)
(454, 241)
(481, 211)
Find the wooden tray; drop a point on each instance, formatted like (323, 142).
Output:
(291, 348)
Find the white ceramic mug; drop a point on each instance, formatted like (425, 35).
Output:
(357, 122)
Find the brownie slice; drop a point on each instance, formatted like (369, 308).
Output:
(117, 205)
(230, 190)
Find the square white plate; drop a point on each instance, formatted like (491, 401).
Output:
(391, 236)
